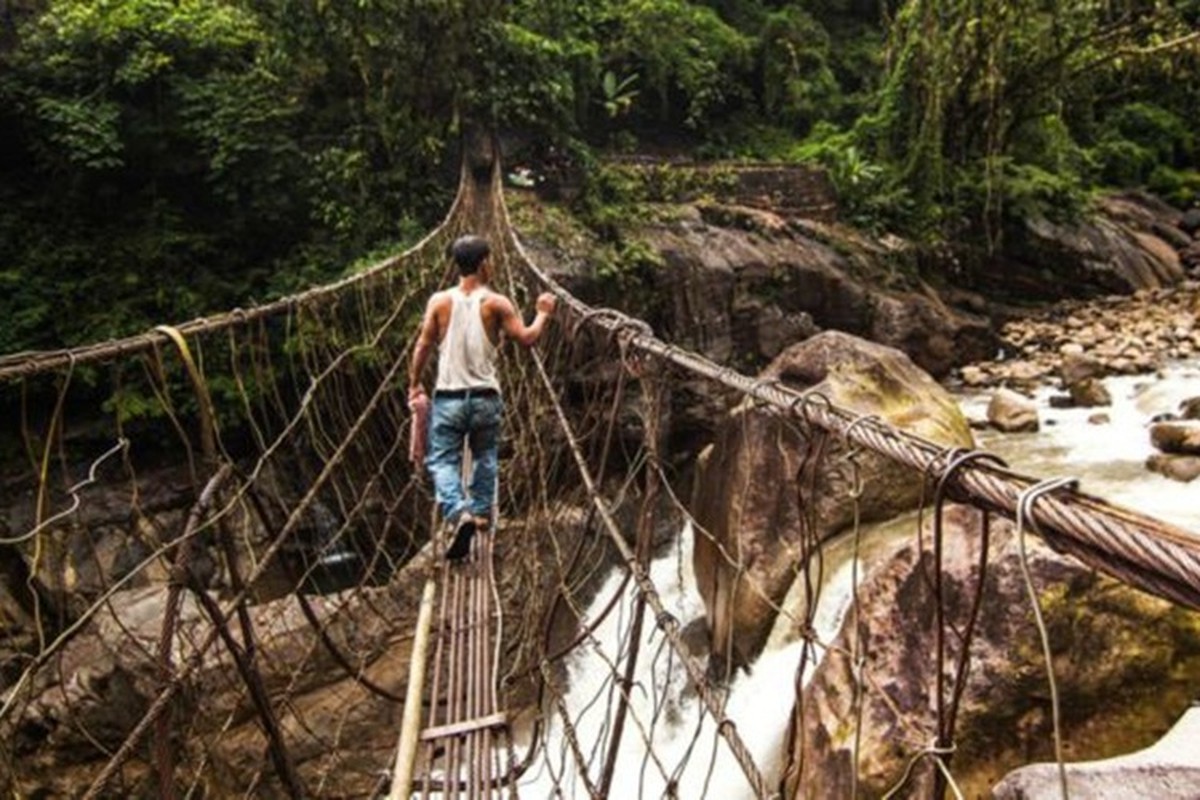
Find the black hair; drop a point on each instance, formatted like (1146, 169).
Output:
(469, 252)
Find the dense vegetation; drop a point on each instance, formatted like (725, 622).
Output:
(164, 158)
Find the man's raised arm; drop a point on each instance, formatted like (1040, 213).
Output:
(516, 329)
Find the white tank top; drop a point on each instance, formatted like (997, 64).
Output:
(466, 356)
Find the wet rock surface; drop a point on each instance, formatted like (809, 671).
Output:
(1177, 437)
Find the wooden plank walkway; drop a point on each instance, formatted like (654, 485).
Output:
(465, 749)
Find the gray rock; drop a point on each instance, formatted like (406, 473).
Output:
(1090, 393)
(1190, 255)
(1189, 223)
(1078, 367)
(1012, 412)
(1184, 469)
(1167, 770)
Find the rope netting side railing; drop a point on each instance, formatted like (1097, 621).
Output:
(1133, 547)
(28, 363)
(666, 622)
(242, 624)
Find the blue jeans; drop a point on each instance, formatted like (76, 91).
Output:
(474, 419)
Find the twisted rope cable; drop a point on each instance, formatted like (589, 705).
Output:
(1137, 549)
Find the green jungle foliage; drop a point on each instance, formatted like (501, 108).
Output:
(161, 159)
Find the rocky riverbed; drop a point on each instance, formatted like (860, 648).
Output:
(1067, 357)
(1121, 334)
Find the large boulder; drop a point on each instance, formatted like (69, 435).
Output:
(770, 487)
(1123, 662)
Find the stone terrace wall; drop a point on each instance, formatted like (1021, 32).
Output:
(790, 190)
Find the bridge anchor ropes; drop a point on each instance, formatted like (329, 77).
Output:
(464, 749)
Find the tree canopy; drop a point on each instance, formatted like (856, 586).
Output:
(160, 159)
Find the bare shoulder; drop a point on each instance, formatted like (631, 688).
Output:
(437, 315)
(498, 304)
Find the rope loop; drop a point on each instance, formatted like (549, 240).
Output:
(620, 321)
(628, 323)
(935, 749)
(956, 459)
(1027, 498)
(811, 398)
(1024, 513)
(796, 401)
(853, 448)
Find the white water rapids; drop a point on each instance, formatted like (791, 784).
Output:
(685, 748)
(1108, 458)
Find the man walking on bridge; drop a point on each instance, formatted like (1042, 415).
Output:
(466, 323)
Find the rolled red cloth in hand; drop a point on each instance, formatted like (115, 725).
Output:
(418, 427)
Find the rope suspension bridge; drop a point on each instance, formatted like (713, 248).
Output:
(221, 567)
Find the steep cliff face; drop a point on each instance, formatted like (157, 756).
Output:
(767, 264)
(744, 284)
(1132, 242)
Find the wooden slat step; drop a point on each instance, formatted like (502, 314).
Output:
(497, 720)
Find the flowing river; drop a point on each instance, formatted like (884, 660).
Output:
(686, 752)
(1108, 458)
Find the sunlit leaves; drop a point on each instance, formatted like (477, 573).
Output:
(86, 132)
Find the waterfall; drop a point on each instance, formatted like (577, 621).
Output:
(667, 738)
